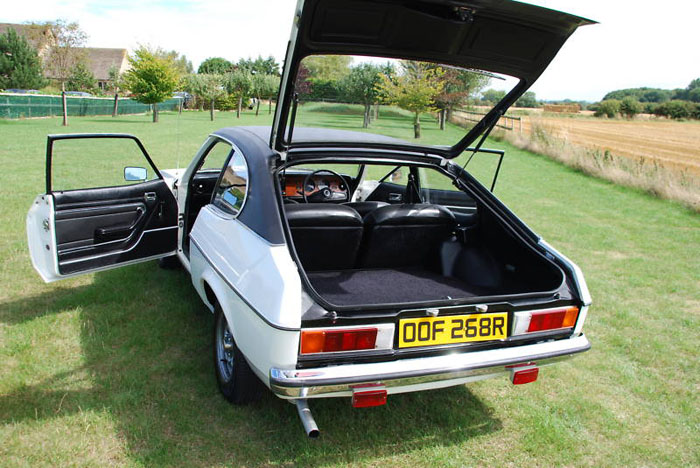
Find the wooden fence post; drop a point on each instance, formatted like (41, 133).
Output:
(65, 109)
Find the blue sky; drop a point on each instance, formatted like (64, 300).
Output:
(637, 43)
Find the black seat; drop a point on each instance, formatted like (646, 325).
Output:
(405, 235)
(326, 236)
(365, 207)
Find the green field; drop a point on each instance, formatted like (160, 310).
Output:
(115, 368)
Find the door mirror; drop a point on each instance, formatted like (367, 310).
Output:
(135, 174)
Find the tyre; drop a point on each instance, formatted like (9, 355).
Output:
(169, 263)
(237, 381)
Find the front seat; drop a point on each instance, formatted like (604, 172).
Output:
(326, 236)
(365, 207)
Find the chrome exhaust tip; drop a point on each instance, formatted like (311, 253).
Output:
(307, 419)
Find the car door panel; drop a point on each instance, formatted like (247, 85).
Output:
(77, 227)
(388, 192)
(459, 203)
(102, 227)
(78, 231)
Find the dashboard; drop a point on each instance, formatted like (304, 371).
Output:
(323, 187)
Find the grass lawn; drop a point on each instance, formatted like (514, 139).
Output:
(115, 368)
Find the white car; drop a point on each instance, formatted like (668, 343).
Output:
(339, 263)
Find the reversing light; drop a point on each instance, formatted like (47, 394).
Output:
(553, 319)
(329, 341)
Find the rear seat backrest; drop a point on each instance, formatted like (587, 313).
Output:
(404, 235)
(365, 207)
(326, 236)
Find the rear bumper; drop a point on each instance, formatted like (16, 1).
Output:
(408, 375)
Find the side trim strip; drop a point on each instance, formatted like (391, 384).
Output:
(236, 291)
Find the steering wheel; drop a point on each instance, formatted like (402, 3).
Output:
(325, 194)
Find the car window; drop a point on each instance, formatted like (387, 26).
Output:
(85, 163)
(232, 189)
(437, 188)
(398, 175)
(215, 158)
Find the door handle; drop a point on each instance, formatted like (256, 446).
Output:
(150, 196)
(395, 197)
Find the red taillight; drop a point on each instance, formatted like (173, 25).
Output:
(553, 319)
(328, 341)
(369, 395)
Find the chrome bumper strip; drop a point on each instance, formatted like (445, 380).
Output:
(419, 373)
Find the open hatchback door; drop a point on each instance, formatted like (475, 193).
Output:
(105, 205)
(494, 38)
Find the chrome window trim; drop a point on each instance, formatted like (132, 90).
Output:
(235, 150)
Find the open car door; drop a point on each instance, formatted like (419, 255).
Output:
(106, 205)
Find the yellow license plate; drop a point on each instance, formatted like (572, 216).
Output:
(430, 331)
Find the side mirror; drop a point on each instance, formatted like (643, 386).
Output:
(135, 174)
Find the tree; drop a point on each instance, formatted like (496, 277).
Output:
(215, 65)
(114, 84)
(414, 89)
(151, 79)
(694, 95)
(528, 99)
(240, 84)
(694, 90)
(493, 96)
(608, 107)
(327, 67)
(20, 66)
(66, 51)
(182, 65)
(361, 85)
(264, 87)
(458, 86)
(259, 66)
(629, 107)
(81, 78)
(302, 84)
(207, 87)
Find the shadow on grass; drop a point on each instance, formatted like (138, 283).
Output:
(145, 338)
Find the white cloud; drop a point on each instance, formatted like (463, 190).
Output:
(641, 43)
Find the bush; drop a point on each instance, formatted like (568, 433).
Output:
(675, 109)
(696, 112)
(225, 103)
(629, 107)
(650, 107)
(609, 108)
(328, 90)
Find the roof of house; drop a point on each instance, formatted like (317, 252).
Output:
(100, 60)
(38, 36)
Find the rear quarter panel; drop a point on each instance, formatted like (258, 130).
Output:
(257, 285)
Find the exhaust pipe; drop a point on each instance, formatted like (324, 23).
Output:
(307, 418)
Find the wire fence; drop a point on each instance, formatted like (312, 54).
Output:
(19, 106)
